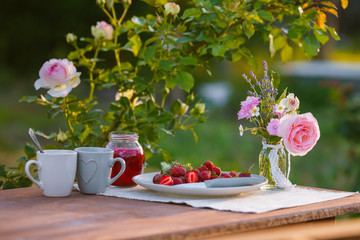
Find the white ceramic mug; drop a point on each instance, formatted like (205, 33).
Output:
(56, 170)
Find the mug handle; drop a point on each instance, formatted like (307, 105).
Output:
(123, 166)
(27, 171)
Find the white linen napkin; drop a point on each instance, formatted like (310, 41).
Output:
(259, 201)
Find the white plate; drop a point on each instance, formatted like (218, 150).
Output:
(194, 189)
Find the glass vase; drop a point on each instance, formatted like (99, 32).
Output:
(278, 177)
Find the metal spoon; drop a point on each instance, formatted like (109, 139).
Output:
(34, 139)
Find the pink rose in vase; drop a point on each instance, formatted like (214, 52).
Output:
(300, 133)
(58, 75)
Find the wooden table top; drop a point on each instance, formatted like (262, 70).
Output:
(26, 214)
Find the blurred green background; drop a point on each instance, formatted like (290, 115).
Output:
(34, 31)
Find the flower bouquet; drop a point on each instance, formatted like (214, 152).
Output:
(278, 122)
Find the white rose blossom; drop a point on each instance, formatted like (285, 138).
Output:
(58, 75)
(291, 103)
(102, 30)
(172, 8)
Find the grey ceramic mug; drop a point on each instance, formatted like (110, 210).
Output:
(93, 169)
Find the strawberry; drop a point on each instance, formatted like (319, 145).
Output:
(209, 165)
(224, 175)
(177, 181)
(167, 180)
(178, 171)
(245, 174)
(192, 177)
(234, 173)
(216, 171)
(182, 178)
(213, 176)
(202, 168)
(157, 178)
(194, 170)
(204, 175)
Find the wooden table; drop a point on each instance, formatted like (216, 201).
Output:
(26, 214)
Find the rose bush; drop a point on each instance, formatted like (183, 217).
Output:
(300, 133)
(145, 58)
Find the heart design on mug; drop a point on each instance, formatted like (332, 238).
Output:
(88, 170)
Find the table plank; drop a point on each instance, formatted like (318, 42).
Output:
(26, 213)
(343, 229)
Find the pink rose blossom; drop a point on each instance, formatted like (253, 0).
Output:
(58, 75)
(247, 106)
(299, 132)
(273, 126)
(102, 30)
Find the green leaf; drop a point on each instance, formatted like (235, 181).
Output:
(124, 101)
(109, 117)
(184, 40)
(170, 81)
(163, 118)
(279, 42)
(167, 65)
(219, 50)
(185, 80)
(275, 78)
(53, 112)
(74, 55)
(8, 185)
(22, 159)
(136, 44)
(28, 99)
(189, 61)
(296, 32)
(236, 56)
(286, 53)
(150, 53)
(191, 12)
(266, 15)
(321, 36)
(30, 151)
(175, 106)
(283, 95)
(2, 171)
(310, 46)
(333, 33)
(249, 29)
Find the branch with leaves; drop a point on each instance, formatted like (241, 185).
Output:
(165, 47)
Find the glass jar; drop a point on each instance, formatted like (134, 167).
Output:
(280, 165)
(126, 146)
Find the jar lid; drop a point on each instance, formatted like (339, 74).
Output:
(123, 136)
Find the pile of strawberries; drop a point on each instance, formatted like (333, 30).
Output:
(178, 174)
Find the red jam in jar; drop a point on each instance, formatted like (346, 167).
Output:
(126, 146)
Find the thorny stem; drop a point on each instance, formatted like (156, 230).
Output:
(91, 75)
(111, 128)
(71, 129)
